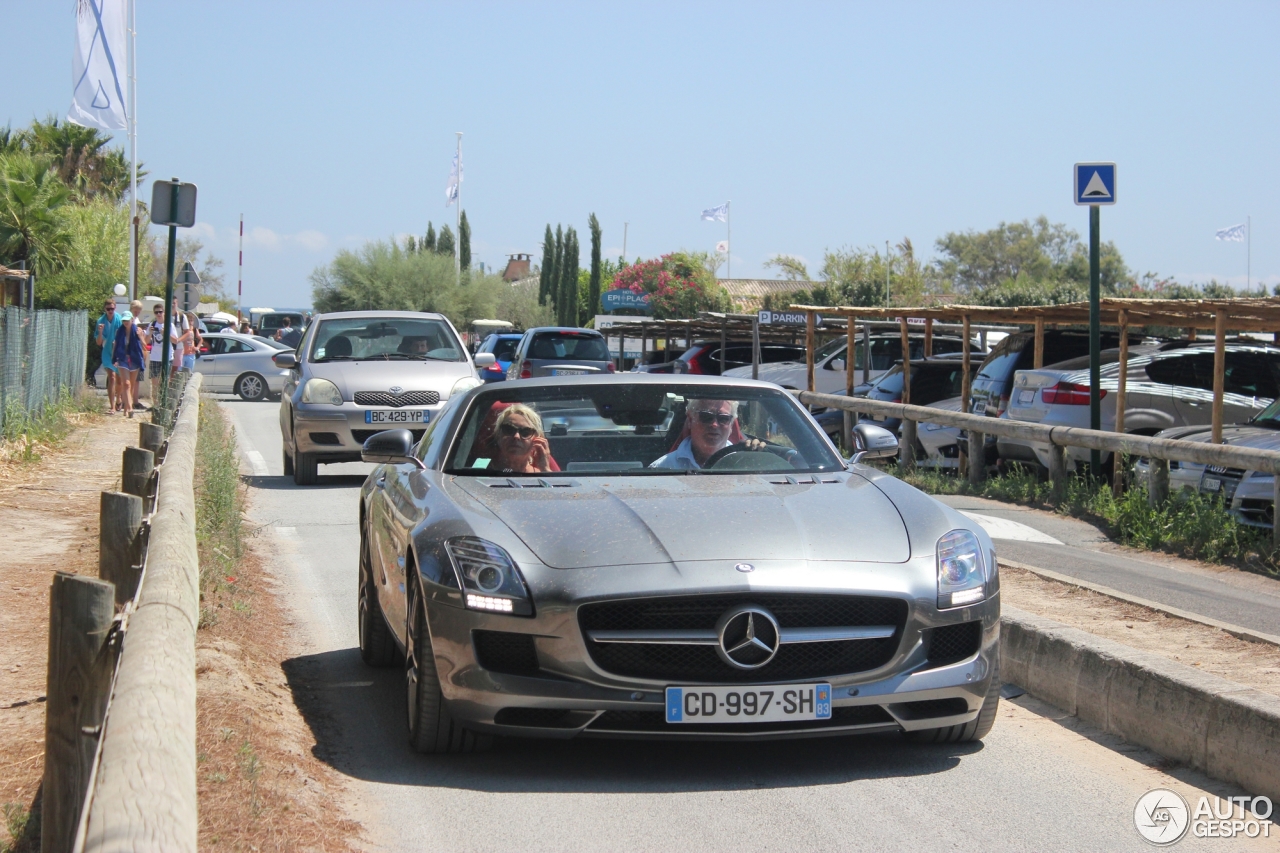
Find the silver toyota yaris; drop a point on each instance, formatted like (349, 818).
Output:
(670, 557)
(357, 373)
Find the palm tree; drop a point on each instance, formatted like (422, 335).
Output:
(30, 228)
(80, 154)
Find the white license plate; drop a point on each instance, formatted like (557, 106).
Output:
(397, 416)
(980, 407)
(1026, 398)
(1210, 485)
(561, 372)
(767, 704)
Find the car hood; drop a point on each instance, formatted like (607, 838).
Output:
(776, 372)
(587, 523)
(1240, 435)
(354, 376)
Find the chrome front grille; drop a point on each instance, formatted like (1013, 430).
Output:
(396, 401)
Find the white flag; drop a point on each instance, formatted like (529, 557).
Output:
(716, 214)
(722, 248)
(1234, 234)
(98, 73)
(455, 178)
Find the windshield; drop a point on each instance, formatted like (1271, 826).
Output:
(1269, 417)
(390, 339)
(505, 348)
(641, 429)
(569, 345)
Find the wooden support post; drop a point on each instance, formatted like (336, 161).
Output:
(1219, 370)
(150, 437)
(1058, 471)
(1039, 351)
(724, 342)
(1158, 482)
(866, 352)
(907, 446)
(1191, 334)
(977, 458)
(644, 344)
(850, 356)
(906, 364)
(964, 381)
(928, 337)
(1122, 401)
(119, 552)
(135, 471)
(79, 681)
(808, 349)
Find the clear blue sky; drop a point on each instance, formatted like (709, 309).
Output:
(826, 124)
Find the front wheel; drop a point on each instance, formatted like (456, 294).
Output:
(974, 730)
(251, 388)
(288, 462)
(305, 469)
(432, 728)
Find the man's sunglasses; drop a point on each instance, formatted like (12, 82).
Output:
(709, 418)
(525, 432)
(108, 308)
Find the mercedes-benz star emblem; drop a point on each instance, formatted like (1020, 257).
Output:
(748, 637)
(745, 567)
(395, 389)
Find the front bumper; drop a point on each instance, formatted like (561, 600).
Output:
(339, 432)
(566, 694)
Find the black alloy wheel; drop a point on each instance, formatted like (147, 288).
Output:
(432, 729)
(377, 646)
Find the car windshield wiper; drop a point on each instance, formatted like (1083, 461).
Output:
(332, 358)
(411, 356)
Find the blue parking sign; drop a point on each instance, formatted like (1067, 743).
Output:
(1095, 183)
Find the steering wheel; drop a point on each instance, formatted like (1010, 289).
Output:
(787, 454)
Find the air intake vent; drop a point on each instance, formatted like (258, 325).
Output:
(396, 401)
(815, 480)
(953, 643)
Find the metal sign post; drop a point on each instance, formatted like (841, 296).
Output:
(173, 203)
(1095, 185)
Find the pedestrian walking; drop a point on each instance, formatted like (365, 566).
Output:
(107, 326)
(128, 356)
(192, 341)
(155, 361)
(288, 335)
(135, 309)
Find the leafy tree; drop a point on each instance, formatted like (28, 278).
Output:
(789, 267)
(428, 243)
(464, 245)
(567, 293)
(444, 243)
(30, 229)
(679, 285)
(97, 256)
(593, 290)
(411, 245)
(548, 264)
(557, 259)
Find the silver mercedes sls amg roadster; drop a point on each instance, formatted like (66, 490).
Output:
(667, 557)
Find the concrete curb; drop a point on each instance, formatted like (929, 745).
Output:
(1236, 631)
(1229, 731)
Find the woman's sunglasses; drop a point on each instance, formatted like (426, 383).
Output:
(709, 418)
(510, 430)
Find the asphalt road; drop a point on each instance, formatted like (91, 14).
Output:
(1038, 782)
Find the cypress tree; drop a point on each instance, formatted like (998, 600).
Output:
(548, 261)
(553, 292)
(444, 243)
(428, 243)
(464, 246)
(567, 309)
(410, 245)
(593, 291)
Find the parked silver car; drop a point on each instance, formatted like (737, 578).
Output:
(560, 351)
(829, 372)
(241, 364)
(1166, 386)
(635, 581)
(357, 373)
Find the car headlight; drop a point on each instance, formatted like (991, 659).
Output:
(488, 576)
(464, 385)
(319, 390)
(961, 575)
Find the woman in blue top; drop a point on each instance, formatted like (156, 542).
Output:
(128, 355)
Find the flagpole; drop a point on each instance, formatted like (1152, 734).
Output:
(1248, 263)
(728, 239)
(133, 149)
(457, 218)
(240, 279)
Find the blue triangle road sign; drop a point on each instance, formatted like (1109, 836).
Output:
(1095, 183)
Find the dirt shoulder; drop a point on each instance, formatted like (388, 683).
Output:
(49, 513)
(1210, 649)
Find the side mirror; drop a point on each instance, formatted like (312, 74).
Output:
(872, 442)
(393, 447)
(287, 360)
(484, 359)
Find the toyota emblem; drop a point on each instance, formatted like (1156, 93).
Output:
(747, 636)
(745, 567)
(395, 389)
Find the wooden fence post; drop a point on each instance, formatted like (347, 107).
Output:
(119, 523)
(977, 458)
(1058, 470)
(80, 614)
(907, 450)
(151, 436)
(136, 468)
(1158, 482)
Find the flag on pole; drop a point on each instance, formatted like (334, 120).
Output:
(716, 214)
(97, 95)
(722, 248)
(455, 178)
(1234, 234)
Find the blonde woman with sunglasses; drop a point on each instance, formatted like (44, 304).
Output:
(522, 447)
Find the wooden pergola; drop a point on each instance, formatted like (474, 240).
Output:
(1220, 315)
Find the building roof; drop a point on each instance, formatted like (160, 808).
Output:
(758, 288)
(5, 272)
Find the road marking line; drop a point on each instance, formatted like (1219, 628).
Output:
(256, 461)
(286, 531)
(1003, 528)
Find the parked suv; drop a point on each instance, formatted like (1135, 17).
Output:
(358, 373)
(1166, 386)
(829, 363)
(559, 351)
(704, 357)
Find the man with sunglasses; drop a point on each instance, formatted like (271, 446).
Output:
(108, 325)
(712, 425)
